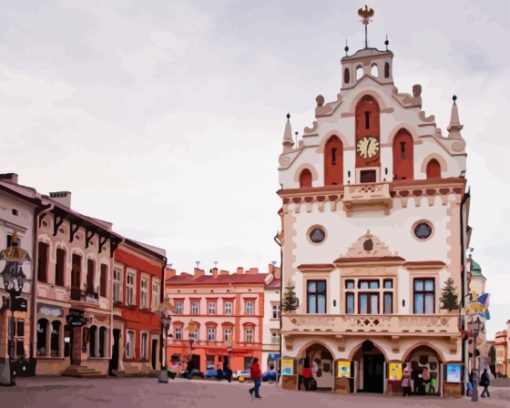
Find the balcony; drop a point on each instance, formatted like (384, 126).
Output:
(367, 195)
(371, 324)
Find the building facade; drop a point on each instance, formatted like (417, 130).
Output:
(271, 323)
(501, 353)
(227, 315)
(138, 275)
(374, 221)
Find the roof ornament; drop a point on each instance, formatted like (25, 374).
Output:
(288, 140)
(346, 49)
(454, 127)
(387, 42)
(365, 15)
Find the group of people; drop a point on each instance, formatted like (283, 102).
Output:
(484, 382)
(419, 380)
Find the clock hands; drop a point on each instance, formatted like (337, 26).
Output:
(368, 145)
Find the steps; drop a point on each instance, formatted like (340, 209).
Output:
(82, 372)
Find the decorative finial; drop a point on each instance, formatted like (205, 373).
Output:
(454, 98)
(288, 115)
(296, 133)
(346, 49)
(386, 42)
(198, 263)
(365, 15)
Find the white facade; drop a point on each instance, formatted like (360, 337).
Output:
(271, 323)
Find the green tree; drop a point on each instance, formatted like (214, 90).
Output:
(449, 296)
(290, 301)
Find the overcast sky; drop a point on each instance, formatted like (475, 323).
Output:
(166, 117)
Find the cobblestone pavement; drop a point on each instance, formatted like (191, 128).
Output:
(147, 392)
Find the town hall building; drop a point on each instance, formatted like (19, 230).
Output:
(374, 221)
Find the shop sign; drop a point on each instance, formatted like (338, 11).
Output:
(343, 368)
(287, 366)
(395, 370)
(50, 310)
(274, 356)
(75, 318)
(453, 372)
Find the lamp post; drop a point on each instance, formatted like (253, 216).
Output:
(14, 280)
(164, 315)
(476, 330)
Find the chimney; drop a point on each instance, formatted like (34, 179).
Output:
(214, 271)
(10, 177)
(277, 273)
(224, 272)
(253, 271)
(240, 270)
(62, 197)
(198, 272)
(169, 272)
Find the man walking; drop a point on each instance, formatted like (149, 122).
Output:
(255, 375)
(484, 382)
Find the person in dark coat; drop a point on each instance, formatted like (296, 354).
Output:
(189, 369)
(227, 372)
(485, 382)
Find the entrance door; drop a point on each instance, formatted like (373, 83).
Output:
(196, 361)
(154, 353)
(76, 341)
(114, 362)
(373, 372)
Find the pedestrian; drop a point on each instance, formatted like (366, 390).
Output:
(469, 384)
(484, 382)
(255, 375)
(406, 382)
(189, 369)
(433, 384)
(306, 374)
(226, 370)
(425, 376)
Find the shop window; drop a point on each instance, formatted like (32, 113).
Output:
(42, 334)
(92, 334)
(55, 339)
(209, 362)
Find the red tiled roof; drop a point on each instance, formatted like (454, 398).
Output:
(186, 279)
(275, 283)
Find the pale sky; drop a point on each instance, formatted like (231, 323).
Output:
(166, 117)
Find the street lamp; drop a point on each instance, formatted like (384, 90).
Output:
(476, 330)
(14, 279)
(164, 310)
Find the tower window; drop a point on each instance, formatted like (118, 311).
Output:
(347, 75)
(333, 156)
(367, 120)
(386, 70)
(402, 150)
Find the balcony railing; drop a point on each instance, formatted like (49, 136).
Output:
(378, 324)
(367, 194)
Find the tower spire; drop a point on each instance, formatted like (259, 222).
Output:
(454, 127)
(365, 15)
(288, 140)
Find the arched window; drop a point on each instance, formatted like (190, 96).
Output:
(374, 71)
(387, 70)
(55, 339)
(42, 334)
(347, 76)
(305, 178)
(403, 156)
(367, 126)
(102, 341)
(333, 162)
(433, 169)
(92, 342)
(359, 72)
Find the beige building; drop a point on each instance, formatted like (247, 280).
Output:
(374, 221)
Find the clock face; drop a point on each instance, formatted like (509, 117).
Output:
(367, 147)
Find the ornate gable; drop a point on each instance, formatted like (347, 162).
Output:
(368, 247)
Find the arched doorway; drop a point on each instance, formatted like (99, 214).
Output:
(418, 359)
(370, 362)
(321, 361)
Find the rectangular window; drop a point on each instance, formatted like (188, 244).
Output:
(42, 264)
(91, 266)
(178, 333)
(130, 289)
(316, 296)
(19, 337)
(196, 335)
(130, 344)
(143, 346)
(367, 120)
(248, 335)
(209, 362)
(250, 308)
(103, 279)
(368, 284)
(211, 308)
(388, 284)
(211, 334)
(144, 293)
(388, 303)
(349, 284)
(275, 338)
(227, 333)
(424, 296)
(275, 312)
(60, 267)
(349, 303)
(117, 285)
(76, 272)
(155, 294)
(369, 303)
(178, 307)
(194, 308)
(228, 308)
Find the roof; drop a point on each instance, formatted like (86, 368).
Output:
(187, 279)
(476, 269)
(275, 283)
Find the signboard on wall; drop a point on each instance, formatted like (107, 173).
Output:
(343, 368)
(49, 310)
(287, 366)
(395, 370)
(453, 373)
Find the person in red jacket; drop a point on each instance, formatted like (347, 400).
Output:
(255, 375)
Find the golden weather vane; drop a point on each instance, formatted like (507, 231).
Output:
(365, 15)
